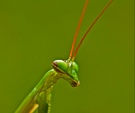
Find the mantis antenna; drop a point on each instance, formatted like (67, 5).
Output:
(78, 27)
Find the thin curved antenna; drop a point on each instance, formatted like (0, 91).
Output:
(100, 14)
(78, 28)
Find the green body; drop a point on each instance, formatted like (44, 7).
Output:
(38, 101)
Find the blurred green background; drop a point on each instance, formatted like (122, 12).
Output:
(34, 33)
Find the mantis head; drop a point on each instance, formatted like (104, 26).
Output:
(67, 70)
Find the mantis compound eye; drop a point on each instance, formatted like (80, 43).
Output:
(75, 67)
(60, 66)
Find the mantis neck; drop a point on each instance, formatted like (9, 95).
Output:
(49, 79)
(43, 97)
(40, 97)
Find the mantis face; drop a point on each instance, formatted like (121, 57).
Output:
(68, 71)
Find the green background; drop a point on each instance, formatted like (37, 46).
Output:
(34, 33)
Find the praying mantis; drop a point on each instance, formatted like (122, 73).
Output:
(38, 101)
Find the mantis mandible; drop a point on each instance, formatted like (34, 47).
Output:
(38, 101)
